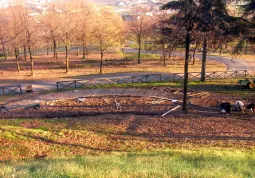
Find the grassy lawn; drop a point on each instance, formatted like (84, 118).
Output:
(171, 163)
(143, 56)
(229, 86)
(103, 147)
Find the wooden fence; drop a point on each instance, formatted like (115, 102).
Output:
(193, 76)
(16, 89)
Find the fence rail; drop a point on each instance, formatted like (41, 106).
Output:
(193, 76)
(15, 89)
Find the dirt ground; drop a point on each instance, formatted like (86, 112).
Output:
(199, 106)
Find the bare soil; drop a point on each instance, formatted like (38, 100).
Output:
(199, 106)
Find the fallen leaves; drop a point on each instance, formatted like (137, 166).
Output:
(120, 132)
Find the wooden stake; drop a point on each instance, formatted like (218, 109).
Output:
(117, 105)
(171, 110)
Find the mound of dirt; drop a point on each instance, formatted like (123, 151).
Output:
(207, 102)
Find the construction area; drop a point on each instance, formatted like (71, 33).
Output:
(158, 101)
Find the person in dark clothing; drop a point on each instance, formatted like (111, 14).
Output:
(225, 107)
(251, 107)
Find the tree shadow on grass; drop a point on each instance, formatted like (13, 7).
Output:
(55, 142)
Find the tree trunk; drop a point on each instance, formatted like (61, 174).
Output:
(170, 51)
(101, 63)
(78, 52)
(47, 48)
(84, 48)
(5, 57)
(16, 57)
(17, 53)
(186, 74)
(203, 60)
(25, 53)
(55, 49)
(246, 46)
(194, 54)
(123, 56)
(83, 52)
(31, 60)
(67, 59)
(164, 54)
(220, 48)
(139, 51)
(146, 44)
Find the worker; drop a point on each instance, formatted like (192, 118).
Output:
(225, 107)
(239, 106)
(251, 107)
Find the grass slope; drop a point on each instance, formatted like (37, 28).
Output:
(171, 163)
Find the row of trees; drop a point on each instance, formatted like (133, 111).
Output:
(195, 22)
(66, 24)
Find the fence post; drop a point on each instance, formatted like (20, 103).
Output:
(146, 78)
(20, 89)
(3, 91)
(75, 84)
(57, 86)
(245, 73)
(160, 78)
(236, 74)
(132, 79)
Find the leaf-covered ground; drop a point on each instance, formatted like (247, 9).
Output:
(41, 138)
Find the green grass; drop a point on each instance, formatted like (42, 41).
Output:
(171, 163)
(143, 56)
(218, 86)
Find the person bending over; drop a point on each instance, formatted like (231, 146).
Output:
(239, 106)
(251, 107)
(225, 107)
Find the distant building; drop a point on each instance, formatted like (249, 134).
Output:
(4, 3)
(121, 4)
(128, 18)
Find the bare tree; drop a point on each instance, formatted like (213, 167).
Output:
(86, 21)
(51, 25)
(140, 27)
(4, 31)
(16, 30)
(107, 31)
(30, 34)
(68, 28)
